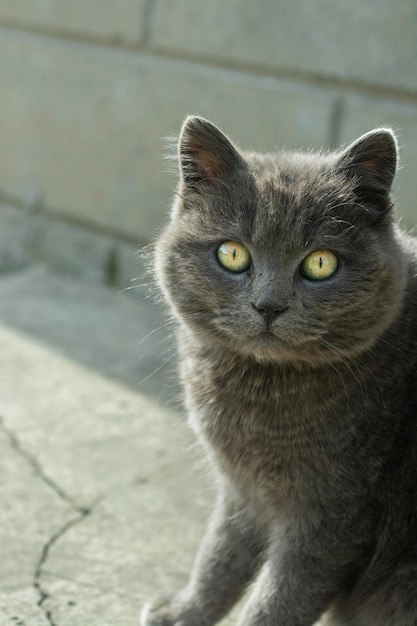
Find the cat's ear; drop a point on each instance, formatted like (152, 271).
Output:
(371, 161)
(206, 155)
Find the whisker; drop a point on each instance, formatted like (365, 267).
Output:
(133, 287)
(406, 356)
(155, 330)
(153, 346)
(157, 369)
(348, 362)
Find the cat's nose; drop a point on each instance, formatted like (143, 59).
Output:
(269, 310)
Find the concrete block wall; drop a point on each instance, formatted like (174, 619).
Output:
(89, 89)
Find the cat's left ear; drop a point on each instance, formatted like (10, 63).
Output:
(371, 161)
(206, 155)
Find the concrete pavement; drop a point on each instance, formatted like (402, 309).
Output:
(101, 505)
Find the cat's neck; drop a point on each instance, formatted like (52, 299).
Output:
(220, 366)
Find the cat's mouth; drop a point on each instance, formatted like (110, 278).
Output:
(268, 338)
(267, 335)
(271, 343)
(267, 345)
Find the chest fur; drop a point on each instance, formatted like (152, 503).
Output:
(276, 436)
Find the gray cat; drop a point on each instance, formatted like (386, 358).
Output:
(295, 295)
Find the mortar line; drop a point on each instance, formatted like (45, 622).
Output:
(336, 122)
(72, 220)
(70, 35)
(313, 79)
(146, 26)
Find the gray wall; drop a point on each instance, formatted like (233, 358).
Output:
(90, 88)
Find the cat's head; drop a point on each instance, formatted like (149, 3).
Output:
(283, 257)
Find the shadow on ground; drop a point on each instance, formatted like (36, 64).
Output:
(126, 339)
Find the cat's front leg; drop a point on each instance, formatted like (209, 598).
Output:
(294, 589)
(228, 558)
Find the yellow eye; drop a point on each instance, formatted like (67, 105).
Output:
(320, 265)
(233, 256)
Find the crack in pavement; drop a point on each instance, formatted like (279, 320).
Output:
(37, 468)
(82, 512)
(37, 582)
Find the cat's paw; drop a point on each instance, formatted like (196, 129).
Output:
(160, 613)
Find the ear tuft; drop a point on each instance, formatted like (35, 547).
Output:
(206, 155)
(372, 161)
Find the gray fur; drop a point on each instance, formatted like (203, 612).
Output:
(309, 423)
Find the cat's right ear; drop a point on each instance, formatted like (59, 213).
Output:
(205, 154)
(371, 161)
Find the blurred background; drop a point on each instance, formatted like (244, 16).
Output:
(89, 89)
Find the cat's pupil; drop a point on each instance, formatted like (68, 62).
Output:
(321, 262)
(234, 254)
